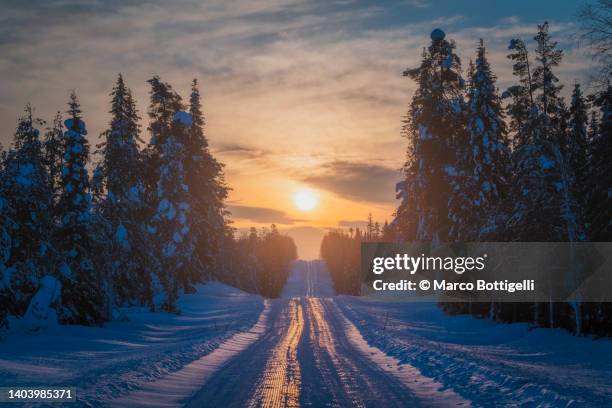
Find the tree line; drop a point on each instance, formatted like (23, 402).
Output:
(148, 223)
(257, 262)
(341, 250)
(523, 165)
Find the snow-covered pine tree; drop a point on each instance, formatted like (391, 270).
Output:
(28, 192)
(481, 171)
(166, 162)
(82, 296)
(207, 190)
(164, 103)
(170, 222)
(544, 205)
(122, 206)
(434, 127)
(554, 126)
(545, 208)
(600, 170)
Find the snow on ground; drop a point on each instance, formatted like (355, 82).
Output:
(305, 358)
(174, 389)
(120, 357)
(311, 348)
(430, 392)
(487, 363)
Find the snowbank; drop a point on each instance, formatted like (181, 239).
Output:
(485, 362)
(103, 363)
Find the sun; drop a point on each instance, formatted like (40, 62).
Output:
(305, 199)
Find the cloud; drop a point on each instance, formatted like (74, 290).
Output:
(261, 214)
(352, 224)
(238, 149)
(417, 3)
(356, 181)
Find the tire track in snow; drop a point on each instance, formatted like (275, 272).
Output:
(428, 391)
(339, 379)
(280, 382)
(336, 374)
(174, 389)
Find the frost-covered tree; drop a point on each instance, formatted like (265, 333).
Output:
(82, 298)
(168, 190)
(170, 224)
(122, 206)
(27, 192)
(207, 190)
(435, 130)
(480, 175)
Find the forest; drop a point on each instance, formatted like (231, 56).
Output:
(524, 164)
(146, 225)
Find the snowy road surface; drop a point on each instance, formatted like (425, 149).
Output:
(307, 358)
(312, 349)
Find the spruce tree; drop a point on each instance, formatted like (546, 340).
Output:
(122, 205)
(82, 298)
(166, 162)
(119, 150)
(27, 191)
(522, 93)
(481, 176)
(553, 132)
(164, 103)
(170, 223)
(548, 57)
(434, 127)
(207, 190)
(544, 205)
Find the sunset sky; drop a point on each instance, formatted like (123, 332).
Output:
(297, 94)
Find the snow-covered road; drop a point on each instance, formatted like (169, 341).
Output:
(311, 356)
(311, 348)
(323, 350)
